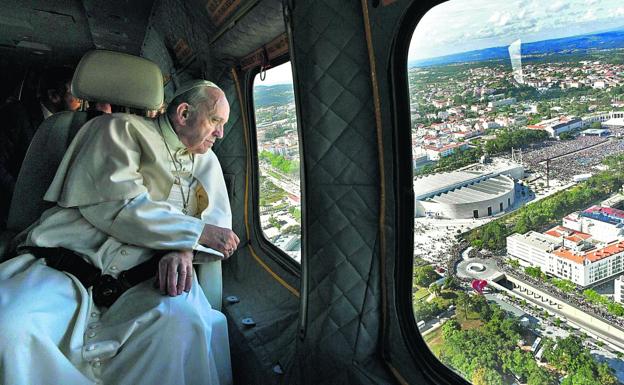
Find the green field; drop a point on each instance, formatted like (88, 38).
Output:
(420, 294)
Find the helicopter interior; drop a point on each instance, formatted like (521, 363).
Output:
(343, 314)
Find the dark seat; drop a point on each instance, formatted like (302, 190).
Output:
(42, 159)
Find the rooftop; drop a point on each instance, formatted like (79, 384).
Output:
(596, 131)
(569, 234)
(537, 240)
(592, 256)
(477, 191)
(607, 211)
(437, 184)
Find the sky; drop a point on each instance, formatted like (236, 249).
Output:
(466, 25)
(282, 74)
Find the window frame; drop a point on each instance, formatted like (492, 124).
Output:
(422, 357)
(275, 253)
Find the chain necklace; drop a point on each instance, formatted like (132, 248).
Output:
(185, 201)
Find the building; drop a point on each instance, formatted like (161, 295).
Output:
(614, 119)
(435, 152)
(618, 294)
(532, 248)
(466, 194)
(587, 249)
(419, 161)
(556, 126)
(604, 224)
(601, 132)
(501, 102)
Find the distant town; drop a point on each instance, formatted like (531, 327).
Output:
(519, 230)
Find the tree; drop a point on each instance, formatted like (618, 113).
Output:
(541, 376)
(480, 305)
(605, 375)
(292, 229)
(449, 328)
(449, 282)
(425, 275)
(435, 289)
(479, 376)
(513, 263)
(273, 222)
(535, 272)
(463, 301)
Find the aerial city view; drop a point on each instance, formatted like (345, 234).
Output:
(517, 113)
(278, 153)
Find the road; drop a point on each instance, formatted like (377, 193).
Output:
(285, 183)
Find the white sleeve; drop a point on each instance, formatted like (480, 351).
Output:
(143, 222)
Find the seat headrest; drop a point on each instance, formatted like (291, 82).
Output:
(118, 78)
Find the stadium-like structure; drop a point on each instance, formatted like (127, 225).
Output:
(466, 194)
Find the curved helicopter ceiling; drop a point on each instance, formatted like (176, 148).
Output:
(263, 22)
(47, 31)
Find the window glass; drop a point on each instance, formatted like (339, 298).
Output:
(278, 158)
(517, 112)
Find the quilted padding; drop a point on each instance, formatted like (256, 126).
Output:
(342, 182)
(260, 25)
(232, 156)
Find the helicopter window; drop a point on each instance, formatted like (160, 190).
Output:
(518, 164)
(278, 156)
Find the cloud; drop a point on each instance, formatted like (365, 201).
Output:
(504, 19)
(480, 23)
(494, 17)
(499, 18)
(558, 6)
(589, 15)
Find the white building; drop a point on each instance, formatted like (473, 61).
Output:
(436, 152)
(533, 248)
(600, 84)
(604, 224)
(603, 117)
(618, 294)
(589, 248)
(502, 102)
(556, 126)
(466, 194)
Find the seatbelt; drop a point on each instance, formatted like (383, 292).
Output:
(106, 288)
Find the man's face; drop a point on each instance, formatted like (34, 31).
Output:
(205, 126)
(70, 102)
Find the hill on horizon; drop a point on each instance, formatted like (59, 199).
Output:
(274, 95)
(602, 40)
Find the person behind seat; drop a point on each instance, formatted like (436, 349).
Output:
(125, 205)
(20, 120)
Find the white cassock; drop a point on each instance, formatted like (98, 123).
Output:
(119, 194)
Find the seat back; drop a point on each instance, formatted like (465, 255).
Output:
(42, 159)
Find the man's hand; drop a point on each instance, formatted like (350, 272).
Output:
(175, 272)
(220, 239)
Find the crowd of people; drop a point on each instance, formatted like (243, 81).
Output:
(434, 244)
(539, 152)
(583, 161)
(570, 157)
